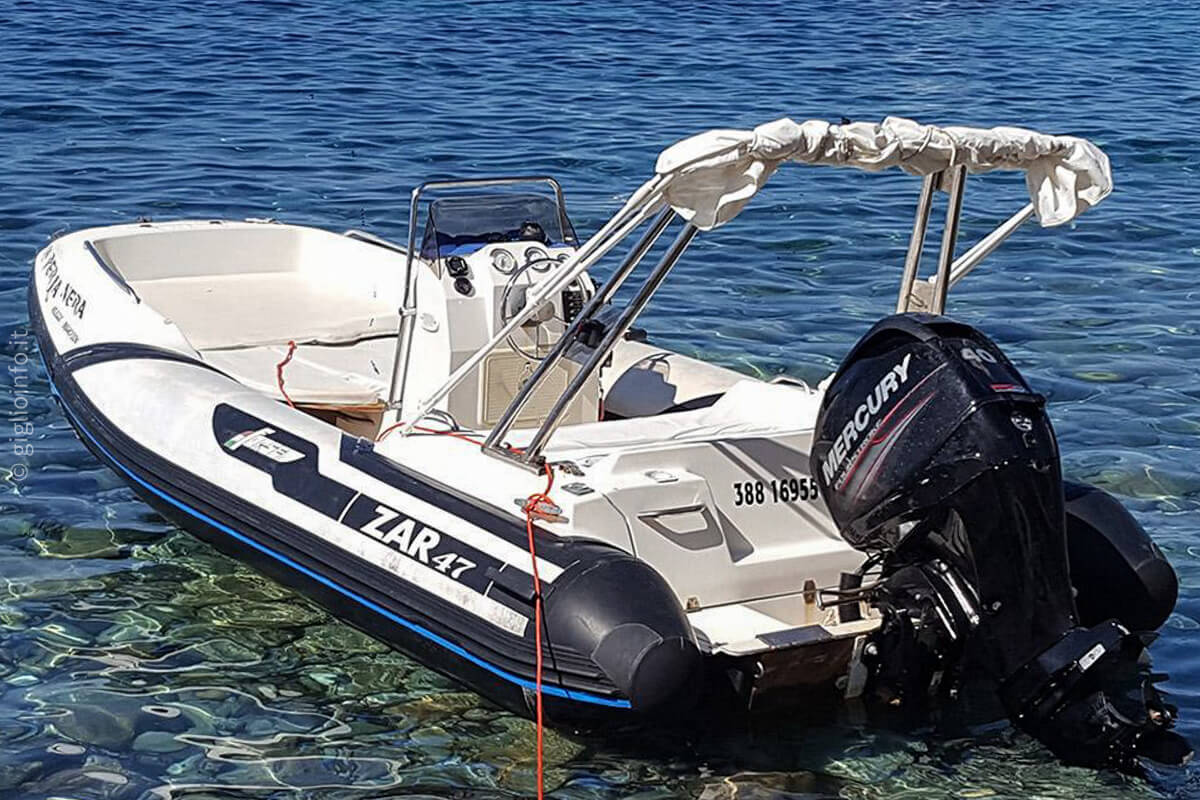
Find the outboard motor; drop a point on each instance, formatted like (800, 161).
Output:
(937, 460)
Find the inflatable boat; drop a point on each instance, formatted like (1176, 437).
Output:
(464, 446)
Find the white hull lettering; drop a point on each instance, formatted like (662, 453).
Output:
(863, 419)
(418, 543)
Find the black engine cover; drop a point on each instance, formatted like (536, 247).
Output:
(935, 457)
(883, 447)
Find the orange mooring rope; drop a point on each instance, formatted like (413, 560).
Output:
(530, 504)
(279, 371)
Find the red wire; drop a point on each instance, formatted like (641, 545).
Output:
(279, 371)
(453, 434)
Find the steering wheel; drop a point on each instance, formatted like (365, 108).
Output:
(540, 321)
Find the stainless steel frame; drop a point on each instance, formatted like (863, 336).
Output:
(916, 242)
(530, 456)
(408, 306)
(941, 285)
(914, 294)
(597, 301)
(984, 247)
(930, 295)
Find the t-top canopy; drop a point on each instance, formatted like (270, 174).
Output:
(707, 179)
(711, 176)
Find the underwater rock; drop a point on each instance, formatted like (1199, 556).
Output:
(772, 786)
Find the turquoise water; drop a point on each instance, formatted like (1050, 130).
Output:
(136, 662)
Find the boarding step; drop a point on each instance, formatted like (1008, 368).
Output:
(739, 630)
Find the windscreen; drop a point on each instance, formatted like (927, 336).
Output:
(460, 225)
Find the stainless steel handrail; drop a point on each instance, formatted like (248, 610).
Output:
(597, 300)
(370, 238)
(408, 309)
(531, 455)
(110, 270)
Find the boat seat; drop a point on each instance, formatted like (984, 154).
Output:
(354, 374)
(267, 308)
(748, 408)
(644, 380)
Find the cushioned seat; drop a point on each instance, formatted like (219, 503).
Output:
(352, 374)
(748, 408)
(266, 308)
(643, 380)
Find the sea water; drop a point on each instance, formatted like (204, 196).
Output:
(136, 662)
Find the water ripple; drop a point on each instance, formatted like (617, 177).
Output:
(137, 663)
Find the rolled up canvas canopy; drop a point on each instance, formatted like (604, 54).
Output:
(709, 178)
(712, 175)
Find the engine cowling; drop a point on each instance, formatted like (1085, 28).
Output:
(937, 459)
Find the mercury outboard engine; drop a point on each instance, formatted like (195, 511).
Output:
(937, 460)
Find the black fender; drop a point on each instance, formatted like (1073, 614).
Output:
(1117, 570)
(622, 613)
